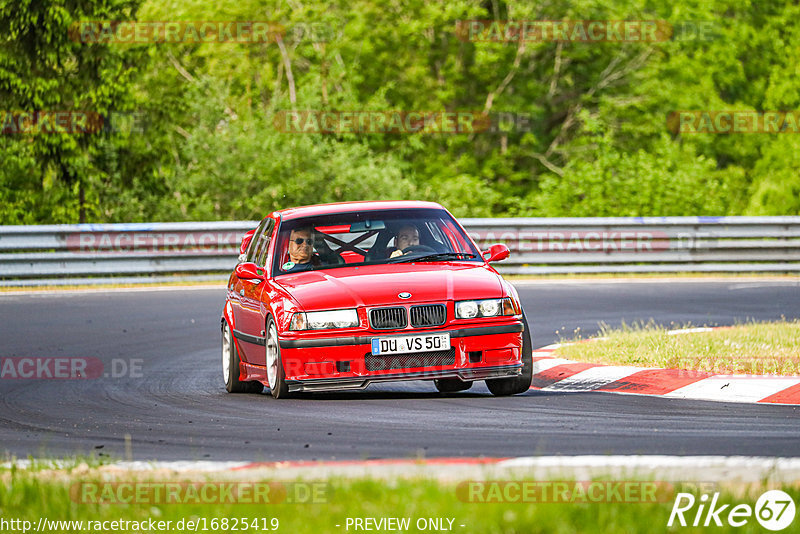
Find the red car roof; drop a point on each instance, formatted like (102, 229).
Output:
(344, 207)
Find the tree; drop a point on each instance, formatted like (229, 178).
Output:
(44, 69)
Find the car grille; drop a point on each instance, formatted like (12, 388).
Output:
(431, 315)
(410, 361)
(384, 318)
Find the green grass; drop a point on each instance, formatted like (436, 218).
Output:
(67, 464)
(25, 496)
(766, 348)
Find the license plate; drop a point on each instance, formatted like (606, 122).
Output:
(410, 344)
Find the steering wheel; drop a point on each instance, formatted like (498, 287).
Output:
(417, 248)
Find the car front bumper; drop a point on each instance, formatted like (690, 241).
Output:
(326, 363)
(465, 375)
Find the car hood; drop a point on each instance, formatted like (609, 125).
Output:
(379, 285)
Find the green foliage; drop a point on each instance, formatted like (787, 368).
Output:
(669, 181)
(44, 69)
(777, 190)
(238, 166)
(590, 137)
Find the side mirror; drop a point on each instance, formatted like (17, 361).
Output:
(249, 271)
(496, 252)
(246, 241)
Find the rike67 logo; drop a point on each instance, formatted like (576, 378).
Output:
(774, 510)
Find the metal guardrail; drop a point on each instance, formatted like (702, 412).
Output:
(644, 244)
(101, 253)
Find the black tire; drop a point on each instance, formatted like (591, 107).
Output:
(451, 385)
(501, 387)
(279, 389)
(230, 355)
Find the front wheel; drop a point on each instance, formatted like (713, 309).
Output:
(276, 377)
(501, 387)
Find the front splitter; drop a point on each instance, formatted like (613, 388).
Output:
(361, 382)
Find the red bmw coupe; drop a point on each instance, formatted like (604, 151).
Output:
(337, 296)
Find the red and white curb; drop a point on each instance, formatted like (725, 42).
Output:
(551, 373)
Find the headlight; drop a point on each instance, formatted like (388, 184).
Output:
(469, 309)
(324, 319)
(466, 309)
(489, 308)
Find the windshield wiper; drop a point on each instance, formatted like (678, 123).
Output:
(441, 256)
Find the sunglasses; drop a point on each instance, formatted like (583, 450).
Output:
(300, 240)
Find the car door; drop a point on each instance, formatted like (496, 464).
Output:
(251, 312)
(235, 286)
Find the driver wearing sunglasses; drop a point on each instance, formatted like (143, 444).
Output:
(301, 250)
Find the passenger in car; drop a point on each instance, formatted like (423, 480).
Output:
(407, 236)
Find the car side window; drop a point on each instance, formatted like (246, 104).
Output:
(436, 231)
(250, 253)
(263, 245)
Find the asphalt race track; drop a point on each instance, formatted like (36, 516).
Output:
(174, 406)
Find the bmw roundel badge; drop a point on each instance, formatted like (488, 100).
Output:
(404, 295)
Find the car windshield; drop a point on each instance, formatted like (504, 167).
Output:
(371, 238)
